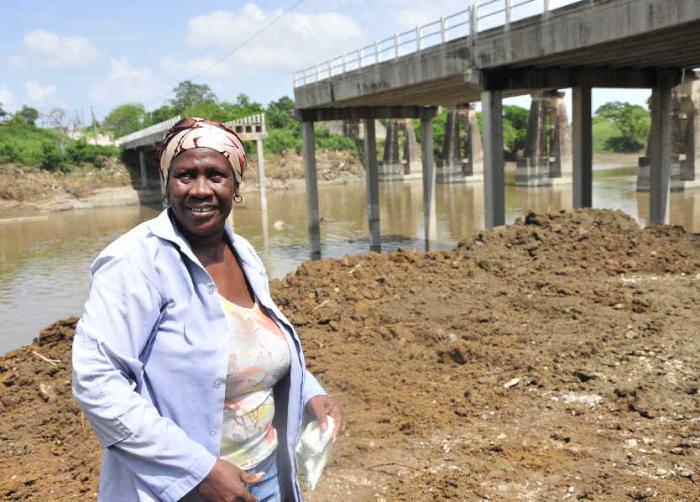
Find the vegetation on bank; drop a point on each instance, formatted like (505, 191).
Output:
(617, 127)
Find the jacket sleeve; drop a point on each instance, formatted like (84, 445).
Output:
(311, 387)
(120, 315)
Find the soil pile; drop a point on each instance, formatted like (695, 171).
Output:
(556, 358)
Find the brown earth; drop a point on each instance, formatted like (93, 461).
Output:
(553, 359)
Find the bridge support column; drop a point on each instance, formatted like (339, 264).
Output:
(391, 166)
(142, 165)
(474, 167)
(449, 167)
(261, 174)
(547, 156)
(494, 182)
(429, 217)
(411, 157)
(660, 151)
(375, 241)
(582, 148)
(311, 182)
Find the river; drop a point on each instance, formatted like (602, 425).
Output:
(44, 261)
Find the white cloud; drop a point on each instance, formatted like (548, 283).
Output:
(296, 40)
(7, 99)
(42, 48)
(126, 83)
(38, 93)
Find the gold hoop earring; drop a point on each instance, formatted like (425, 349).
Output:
(237, 198)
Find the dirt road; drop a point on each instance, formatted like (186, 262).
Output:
(553, 359)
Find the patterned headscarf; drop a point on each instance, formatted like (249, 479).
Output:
(194, 132)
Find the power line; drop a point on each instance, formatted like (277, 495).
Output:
(242, 44)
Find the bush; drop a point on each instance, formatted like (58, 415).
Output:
(281, 140)
(81, 151)
(9, 152)
(51, 158)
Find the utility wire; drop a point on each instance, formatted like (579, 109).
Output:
(242, 44)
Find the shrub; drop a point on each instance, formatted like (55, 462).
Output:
(281, 140)
(81, 151)
(51, 158)
(9, 152)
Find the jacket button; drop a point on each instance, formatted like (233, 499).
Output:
(217, 383)
(212, 432)
(211, 288)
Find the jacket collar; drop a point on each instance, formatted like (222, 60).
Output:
(163, 226)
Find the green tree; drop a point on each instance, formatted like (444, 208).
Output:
(28, 115)
(633, 122)
(160, 114)
(515, 120)
(279, 114)
(188, 94)
(125, 119)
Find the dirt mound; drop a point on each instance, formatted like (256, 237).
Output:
(554, 358)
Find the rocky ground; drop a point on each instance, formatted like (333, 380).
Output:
(553, 359)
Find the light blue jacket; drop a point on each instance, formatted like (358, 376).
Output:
(150, 360)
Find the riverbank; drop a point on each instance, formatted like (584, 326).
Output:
(30, 192)
(556, 358)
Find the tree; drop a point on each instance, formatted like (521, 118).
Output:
(279, 114)
(28, 115)
(515, 120)
(188, 94)
(633, 122)
(160, 114)
(125, 119)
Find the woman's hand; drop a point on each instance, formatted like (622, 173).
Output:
(320, 406)
(226, 483)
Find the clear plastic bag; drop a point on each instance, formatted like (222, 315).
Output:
(313, 451)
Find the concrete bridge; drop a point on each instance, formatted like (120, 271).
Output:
(145, 144)
(500, 48)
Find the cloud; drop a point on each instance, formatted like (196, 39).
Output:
(44, 49)
(126, 83)
(171, 67)
(38, 93)
(296, 40)
(7, 99)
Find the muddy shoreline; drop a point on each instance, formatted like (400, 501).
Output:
(553, 359)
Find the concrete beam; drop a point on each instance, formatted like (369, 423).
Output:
(582, 148)
(494, 181)
(557, 78)
(313, 220)
(660, 151)
(362, 112)
(375, 240)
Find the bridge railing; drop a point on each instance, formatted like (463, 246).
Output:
(482, 15)
(146, 136)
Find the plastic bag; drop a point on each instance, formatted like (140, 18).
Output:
(313, 451)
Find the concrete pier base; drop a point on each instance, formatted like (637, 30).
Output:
(454, 166)
(685, 141)
(494, 179)
(313, 220)
(391, 168)
(547, 158)
(373, 223)
(411, 163)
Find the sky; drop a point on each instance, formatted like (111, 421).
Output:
(78, 54)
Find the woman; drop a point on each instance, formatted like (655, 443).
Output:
(193, 380)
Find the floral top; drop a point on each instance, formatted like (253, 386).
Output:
(258, 359)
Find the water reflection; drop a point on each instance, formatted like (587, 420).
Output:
(44, 263)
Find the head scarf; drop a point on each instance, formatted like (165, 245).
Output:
(194, 132)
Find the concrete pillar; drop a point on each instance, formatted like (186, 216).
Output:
(375, 241)
(547, 156)
(391, 166)
(582, 148)
(261, 174)
(411, 156)
(494, 181)
(449, 166)
(430, 232)
(661, 154)
(142, 164)
(310, 179)
(473, 163)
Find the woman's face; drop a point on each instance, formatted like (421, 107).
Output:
(201, 188)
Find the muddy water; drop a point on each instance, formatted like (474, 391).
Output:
(44, 262)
